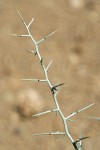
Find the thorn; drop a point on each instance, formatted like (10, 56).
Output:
(30, 22)
(70, 120)
(18, 12)
(76, 112)
(35, 53)
(82, 138)
(49, 65)
(75, 145)
(32, 52)
(21, 16)
(37, 80)
(85, 107)
(57, 113)
(46, 37)
(60, 84)
(20, 35)
(14, 34)
(54, 87)
(45, 112)
(50, 133)
(41, 61)
(75, 142)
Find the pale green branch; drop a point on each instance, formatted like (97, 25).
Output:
(50, 133)
(20, 35)
(49, 65)
(76, 112)
(22, 18)
(46, 37)
(45, 112)
(30, 22)
(38, 80)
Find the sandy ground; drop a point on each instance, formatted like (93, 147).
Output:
(75, 50)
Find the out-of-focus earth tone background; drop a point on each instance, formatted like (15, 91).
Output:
(75, 50)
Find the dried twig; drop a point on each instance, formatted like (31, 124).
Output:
(53, 89)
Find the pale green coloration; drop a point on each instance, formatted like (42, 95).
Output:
(77, 144)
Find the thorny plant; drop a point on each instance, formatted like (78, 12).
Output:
(77, 144)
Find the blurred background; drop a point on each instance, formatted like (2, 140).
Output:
(75, 50)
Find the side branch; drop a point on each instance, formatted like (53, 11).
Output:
(22, 18)
(45, 112)
(50, 133)
(46, 37)
(20, 35)
(76, 112)
(38, 80)
(49, 65)
(30, 22)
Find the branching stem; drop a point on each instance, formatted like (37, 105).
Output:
(53, 89)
